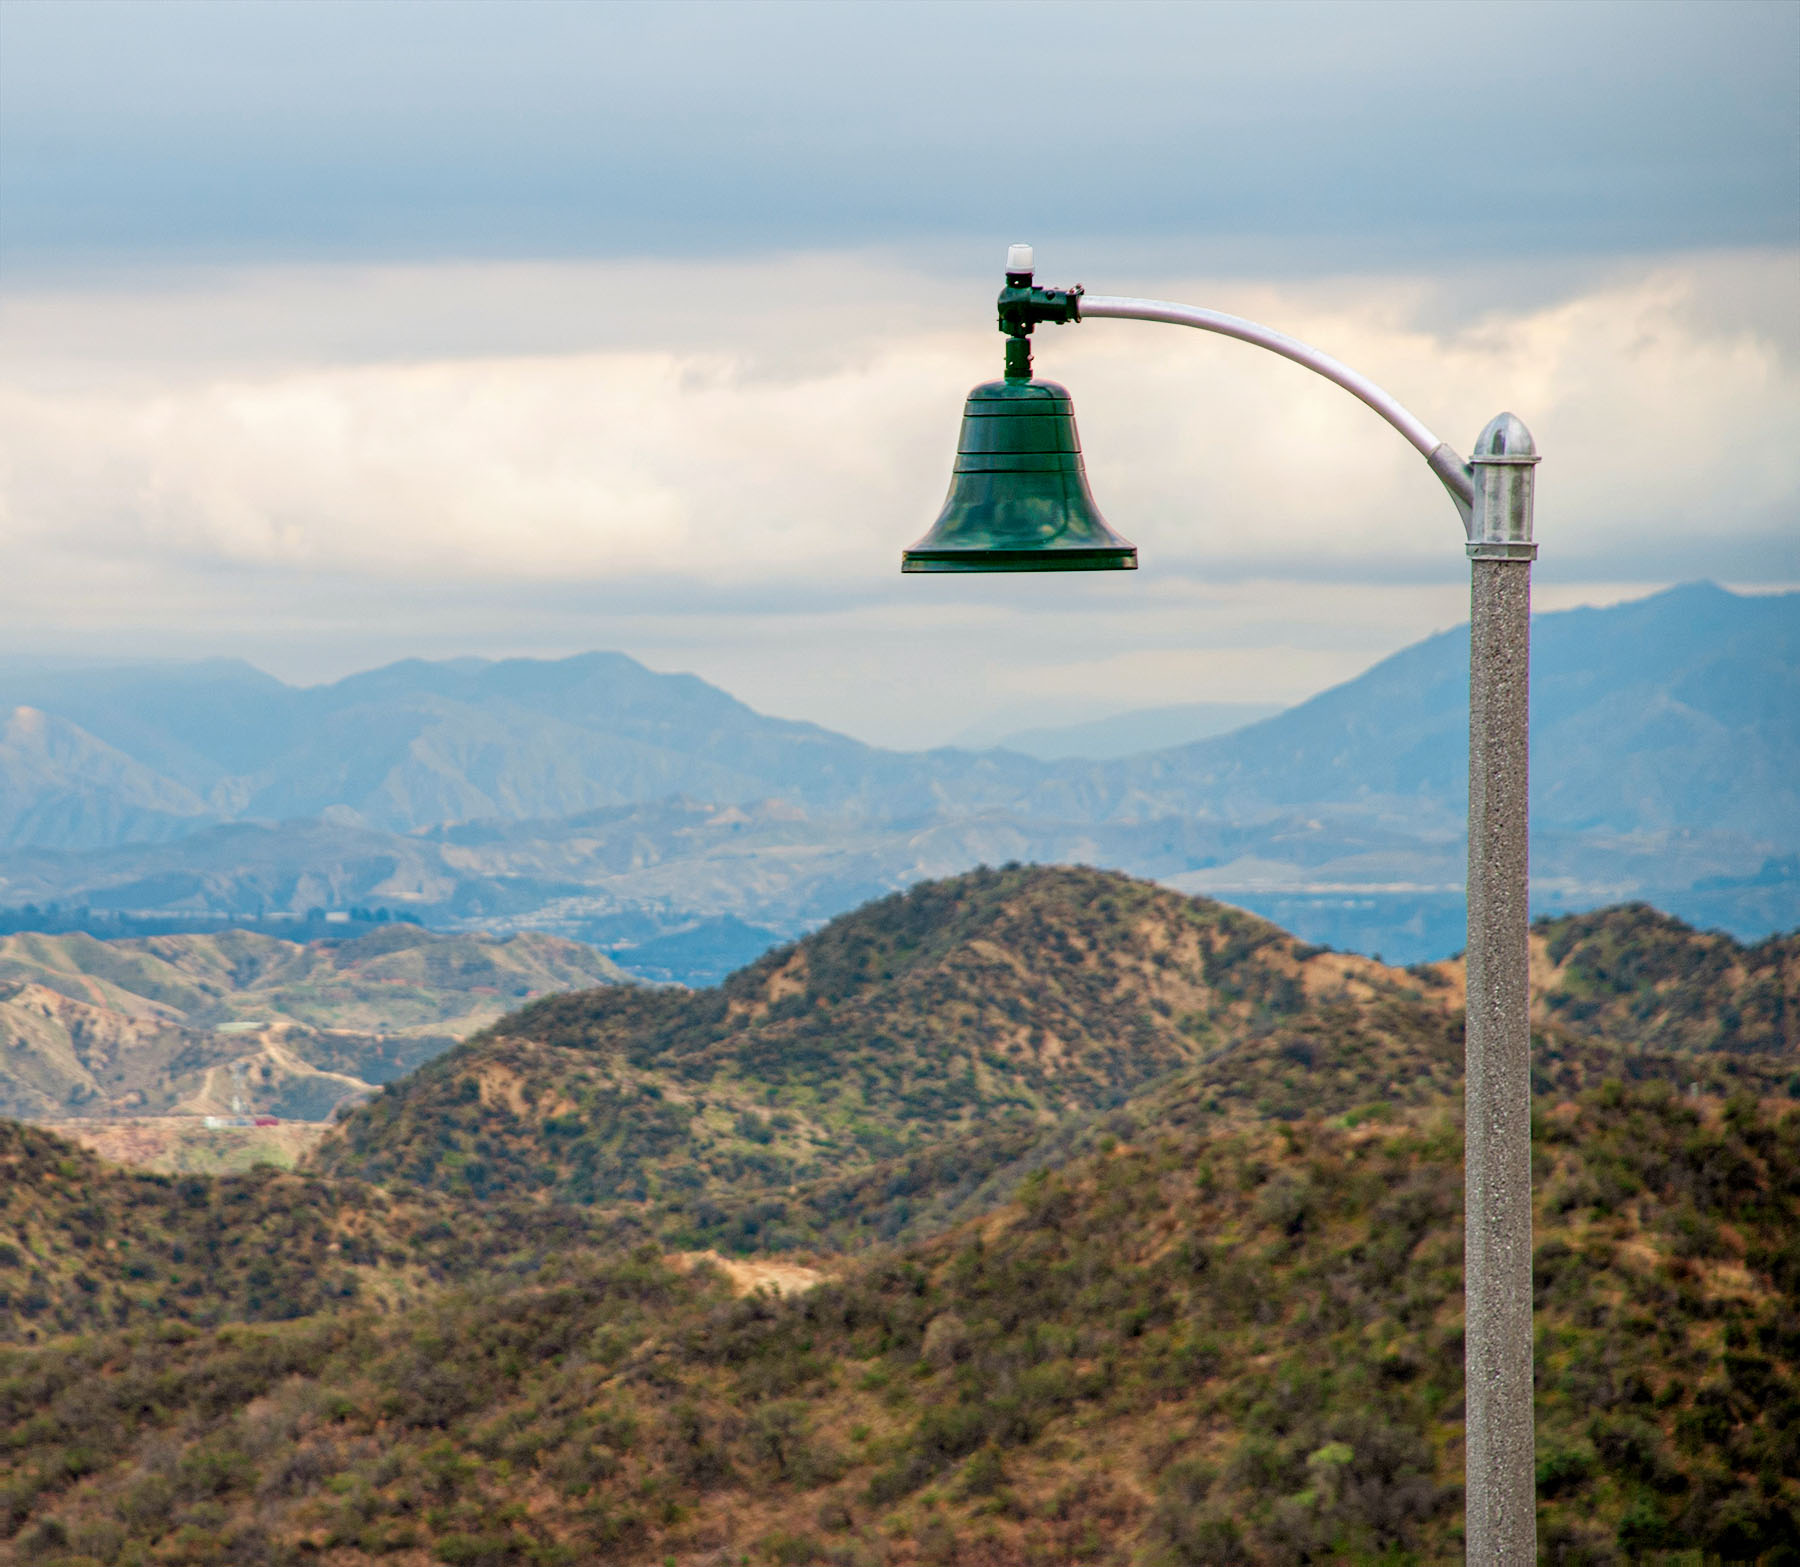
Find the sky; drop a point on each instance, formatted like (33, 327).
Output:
(333, 334)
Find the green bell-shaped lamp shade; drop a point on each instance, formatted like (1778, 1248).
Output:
(1019, 497)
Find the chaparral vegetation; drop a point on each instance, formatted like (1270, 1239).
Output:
(1109, 1226)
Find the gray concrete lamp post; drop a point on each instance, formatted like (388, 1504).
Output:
(1019, 501)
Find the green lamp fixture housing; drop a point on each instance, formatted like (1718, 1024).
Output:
(1019, 497)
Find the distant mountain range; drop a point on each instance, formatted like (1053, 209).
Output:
(595, 798)
(94, 758)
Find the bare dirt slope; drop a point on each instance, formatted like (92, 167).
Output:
(186, 1145)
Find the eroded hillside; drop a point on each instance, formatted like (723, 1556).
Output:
(179, 1025)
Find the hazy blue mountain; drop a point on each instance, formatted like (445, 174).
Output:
(593, 797)
(195, 723)
(60, 785)
(1676, 712)
(1127, 734)
(417, 745)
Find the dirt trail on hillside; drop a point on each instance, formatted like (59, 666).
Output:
(747, 1276)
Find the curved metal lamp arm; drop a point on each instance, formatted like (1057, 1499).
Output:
(1455, 475)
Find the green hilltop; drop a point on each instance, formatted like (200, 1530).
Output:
(995, 998)
(1003, 1011)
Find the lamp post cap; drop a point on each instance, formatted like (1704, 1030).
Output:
(1504, 439)
(1018, 258)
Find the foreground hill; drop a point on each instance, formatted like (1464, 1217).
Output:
(1639, 977)
(1016, 995)
(160, 1024)
(1367, 1062)
(89, 1246)
(1173, 1205)
(1214, 1344)
(995, 1012)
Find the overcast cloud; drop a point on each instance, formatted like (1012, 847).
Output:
(267, 130)
(338, 333)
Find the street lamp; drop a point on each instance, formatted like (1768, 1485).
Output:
(1019, 501)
